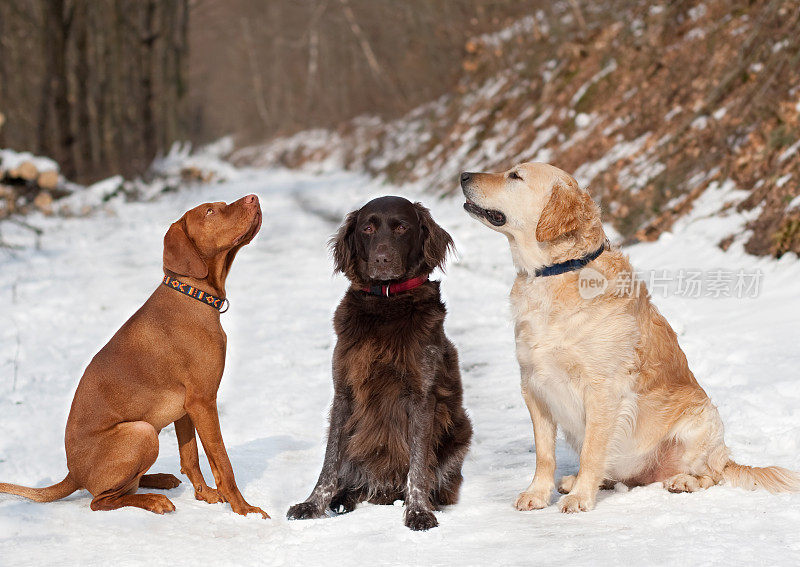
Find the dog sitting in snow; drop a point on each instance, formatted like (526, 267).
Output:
(604, 365)
(398, 430)
(164, 365)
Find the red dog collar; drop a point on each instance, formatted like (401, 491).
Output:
(391, 289)
(220, 305)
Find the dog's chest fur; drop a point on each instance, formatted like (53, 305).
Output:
(565, 344)
(383, 357)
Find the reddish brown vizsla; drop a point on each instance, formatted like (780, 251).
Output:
(163, 366)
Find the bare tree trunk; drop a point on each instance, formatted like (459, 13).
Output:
(366, 48)
(313, 54)
(576, 10)
(116, 71)
(148, 38)
(44, 141)
(128, 93)
(58, 19)
(101, 85)
(181, 64)
(3, 73)
(166, 95)
(83, 125)
(255, 73)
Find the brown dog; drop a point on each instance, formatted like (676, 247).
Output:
(163, 366)
(398, 429)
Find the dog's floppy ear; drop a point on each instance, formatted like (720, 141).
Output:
(436, 241)
(561, 214)
(181, 255)
(342, 245)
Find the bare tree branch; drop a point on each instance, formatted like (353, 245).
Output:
(258, 83)
(366, 48)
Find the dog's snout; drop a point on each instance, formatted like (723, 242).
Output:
(385, 262)
(250, 199)
(381, 255)
(465, 177)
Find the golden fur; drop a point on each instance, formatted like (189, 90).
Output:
(607, 369)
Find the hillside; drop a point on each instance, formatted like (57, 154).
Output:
(648, 105)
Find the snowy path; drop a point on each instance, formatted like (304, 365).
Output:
(60, 304)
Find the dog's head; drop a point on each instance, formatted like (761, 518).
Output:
(389, 239)
(204, 241)
(539, 207)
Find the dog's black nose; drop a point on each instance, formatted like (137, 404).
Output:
(465, 177)
(381, 254)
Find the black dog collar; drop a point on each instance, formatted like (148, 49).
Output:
(220, 305)
(569, 265)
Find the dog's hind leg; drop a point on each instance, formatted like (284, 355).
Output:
(386, 496)
(688, 483)
(706, 460)
(696, 455)
(161, 481)
(347, 499)
(447, 494)
(122, 456)
(567, 482)
(451, 459)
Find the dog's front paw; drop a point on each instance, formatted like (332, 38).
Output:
(533, 500)
(576, 502)
(305, 511)
(243, 509)
(420, 520)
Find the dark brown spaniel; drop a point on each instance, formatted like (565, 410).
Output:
(398, 430)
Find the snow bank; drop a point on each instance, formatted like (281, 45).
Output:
(10, 159)
(204, 164)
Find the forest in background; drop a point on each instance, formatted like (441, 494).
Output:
(104, 86)
(99, 86)
(655, 107)
(650, 104)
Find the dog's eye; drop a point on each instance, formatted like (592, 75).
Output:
(400, 228)
(514, 175)
(368, 229)
(209, 211)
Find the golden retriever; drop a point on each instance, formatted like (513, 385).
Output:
(596, 357)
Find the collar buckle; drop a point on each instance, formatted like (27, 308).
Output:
(226, 304)
(387, 290)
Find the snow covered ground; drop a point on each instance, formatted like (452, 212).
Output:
(62, 302)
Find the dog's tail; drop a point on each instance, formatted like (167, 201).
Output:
(773, 479)
(47, 494)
